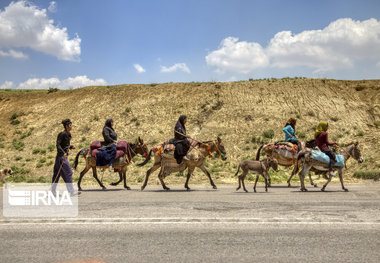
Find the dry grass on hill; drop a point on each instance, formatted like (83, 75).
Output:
(239, 112)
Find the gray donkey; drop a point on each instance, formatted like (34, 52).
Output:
(258, 167)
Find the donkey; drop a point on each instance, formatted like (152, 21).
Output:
(282, 160)
(4, 173)
(120, 163)
(168, 164)
(258, 167)
(350, 150)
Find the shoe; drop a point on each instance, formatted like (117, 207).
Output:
(333, 174)
(110, 168)
(185, 159)
(75, 193)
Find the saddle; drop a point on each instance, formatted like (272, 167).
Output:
(166, 149)
(121, 148)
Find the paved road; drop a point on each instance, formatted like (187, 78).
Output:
(283, 225)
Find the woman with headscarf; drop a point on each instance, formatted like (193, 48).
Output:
(107, 152)
(62, 166)
(322, 141)
(290, 136)
(182, 145)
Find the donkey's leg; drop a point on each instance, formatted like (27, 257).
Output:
(125, 179)
(266, 181)
(81, 176)
(340, 172)
(94, 173)
(294, 171)
(189, 172)
(203, 168)
(257, 178)
(239, 179)
(269, 181)
(161, 177)
(328, 181)
(311, 180)
(304, 171)
(120, 179)
(242, 178)
(151, 170)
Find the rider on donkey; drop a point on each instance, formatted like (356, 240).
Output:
(107, 152)
(321, 139)
(182, 144)
(289, 131)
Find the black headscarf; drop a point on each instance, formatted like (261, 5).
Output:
(108, 123)
(180, 127)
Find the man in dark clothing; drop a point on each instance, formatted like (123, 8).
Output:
(182, 145)
(62, 166)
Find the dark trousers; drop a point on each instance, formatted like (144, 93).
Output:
(62, 169)
(330, 154)
(299, 146)
(181, 149)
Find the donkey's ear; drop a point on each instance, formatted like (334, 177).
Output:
(219, 140)
(356, 143)
(140, 141)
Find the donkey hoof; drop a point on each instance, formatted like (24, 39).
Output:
(104, 188)
(188, 188)
(127, 187)
(323, 189)
(345, 189)
(315, 185)
(214, 187)
(167, 188)
(142, 188)
(289, 185)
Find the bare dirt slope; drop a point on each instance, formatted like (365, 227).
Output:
(239, 112)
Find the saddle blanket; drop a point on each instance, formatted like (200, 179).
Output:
(119, 153)
(322, 157)
(121, 147)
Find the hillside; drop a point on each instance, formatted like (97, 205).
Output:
(239, 112)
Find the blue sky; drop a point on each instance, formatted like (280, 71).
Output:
(69, 44)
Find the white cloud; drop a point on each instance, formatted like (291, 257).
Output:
(14, 54)
(77, 82)
(175, 67)
(236, 56)
(7, 85)
(139, 68)
(339, 45)
(25, 25)
(52, 7)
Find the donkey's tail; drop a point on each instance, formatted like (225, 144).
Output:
(238, 169)
(297, 164)
(258, 152)
(147, 159)
(77, 157)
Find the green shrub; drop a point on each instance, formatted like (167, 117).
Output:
(51, 90)
(51, 147)
(36, 151)
(302, 135)
(28, 160)
(18, 144)
(83, 139)
(2, 145)
(43, 179)
(360, 133)
(377, 124)
(367, 175)
(18, 158)
(268, 134)
(137, 123)
(42, 160)
(39, 165)
(95, 118)
(19, 171)
(134, 119)
(15, 122)
(247, 148)
(128, 109)
(43, 151)
(253, 139)
(298, 116)
(49, 163)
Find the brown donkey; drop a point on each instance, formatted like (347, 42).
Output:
(259, 167)
(120, 163)
(168, 164)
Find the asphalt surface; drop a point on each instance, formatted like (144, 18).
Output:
(205, 225)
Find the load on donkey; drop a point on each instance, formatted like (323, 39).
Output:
(182, 152)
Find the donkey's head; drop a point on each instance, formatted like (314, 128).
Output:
(141, 147)
(220, 150)
(274, 164)
(354, 151)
